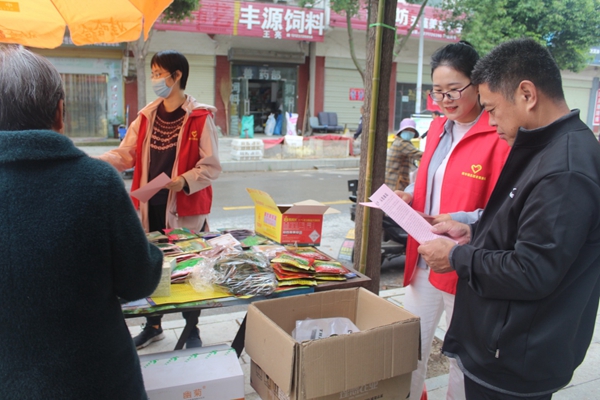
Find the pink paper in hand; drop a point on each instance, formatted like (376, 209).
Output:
(403, 214)
(146, 192)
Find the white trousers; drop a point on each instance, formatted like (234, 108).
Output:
(427, 302)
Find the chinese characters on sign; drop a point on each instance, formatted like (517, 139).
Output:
(356, 94)
(279, 22)
(406, 15)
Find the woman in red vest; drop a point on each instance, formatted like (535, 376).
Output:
(174, 135)
(460, 166)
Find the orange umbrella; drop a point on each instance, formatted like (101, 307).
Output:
(41, 23)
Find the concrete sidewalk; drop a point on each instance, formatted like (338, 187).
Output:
(221, 329)
(272, 162)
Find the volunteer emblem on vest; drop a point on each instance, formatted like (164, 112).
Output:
(194, 135)
(475, 170)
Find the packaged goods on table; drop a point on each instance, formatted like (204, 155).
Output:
(246, 274)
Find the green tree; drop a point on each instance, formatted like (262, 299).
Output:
(350, 9)
(176, 12)
(567, 27)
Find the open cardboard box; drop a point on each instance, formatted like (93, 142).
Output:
(300, 223)
(376, 361)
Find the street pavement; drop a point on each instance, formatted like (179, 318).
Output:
(220, 328)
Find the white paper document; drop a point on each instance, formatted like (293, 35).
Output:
(146, 192)
(403, 214)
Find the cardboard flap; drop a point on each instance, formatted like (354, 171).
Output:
(307, 209)
(270, 347)
(316, 203)
(262, 199)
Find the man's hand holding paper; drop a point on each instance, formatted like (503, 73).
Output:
(436, 253)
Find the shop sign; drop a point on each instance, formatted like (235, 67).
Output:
(406, 14)
(356, 94)
(595, 53)
(597, 109)
(265, 20)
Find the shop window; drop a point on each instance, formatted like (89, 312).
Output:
(259, 91)
(86, 105)
(406, 98)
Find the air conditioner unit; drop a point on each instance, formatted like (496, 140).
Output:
(266, 56)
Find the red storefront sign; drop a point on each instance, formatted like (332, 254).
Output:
(264, 20)
(597, 109)
(406, 14)
(356, 94)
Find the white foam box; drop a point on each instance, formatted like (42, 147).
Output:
(164, 285)
(246, 155)
(293, 141)
(247, 144)
(193, 374)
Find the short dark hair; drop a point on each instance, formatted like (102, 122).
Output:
(172, 61)
(30, 90)
(512, 62)
(460, 56)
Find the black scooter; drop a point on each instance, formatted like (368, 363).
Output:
(393, 240)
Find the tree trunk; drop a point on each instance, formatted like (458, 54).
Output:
(400, 43)
(351, 45)
(139, 49)
(380, 143)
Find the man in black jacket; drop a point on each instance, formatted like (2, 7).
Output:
(529, 269)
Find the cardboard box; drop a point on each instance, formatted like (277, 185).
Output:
(194, 374)
(299, 223)
(380, 358)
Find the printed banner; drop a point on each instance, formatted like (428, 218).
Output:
(406, 14)
(265, 20)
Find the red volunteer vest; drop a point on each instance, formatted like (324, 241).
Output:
(189, 154)
(471, 174)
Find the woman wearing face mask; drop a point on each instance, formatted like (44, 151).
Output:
(460, 166)
(176, 135)
(401, 156)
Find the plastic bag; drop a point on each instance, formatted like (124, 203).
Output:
(203, 275)
(312, 329)
(278, 125)
(246, 274)
(247, 126)
(291, 119)
(270, 125)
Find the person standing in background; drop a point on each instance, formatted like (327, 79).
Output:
(460, 166)
(402, 155)
(360, 123)
(175, 135)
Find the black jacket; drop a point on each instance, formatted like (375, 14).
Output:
(529, 286)
(71, 243)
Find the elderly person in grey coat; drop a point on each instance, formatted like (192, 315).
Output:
(69, 251)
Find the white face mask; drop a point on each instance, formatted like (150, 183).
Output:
(407, 135)
(160, 87)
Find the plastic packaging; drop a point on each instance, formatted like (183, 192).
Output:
(247, 126)
(312, 329)
(270, 125)
(291, 119)
(245, 274)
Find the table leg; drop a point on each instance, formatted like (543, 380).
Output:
(187, 329)
(240, 337)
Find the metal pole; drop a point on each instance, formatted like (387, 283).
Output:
(420, 65)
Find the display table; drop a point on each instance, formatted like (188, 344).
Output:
(196, 307)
